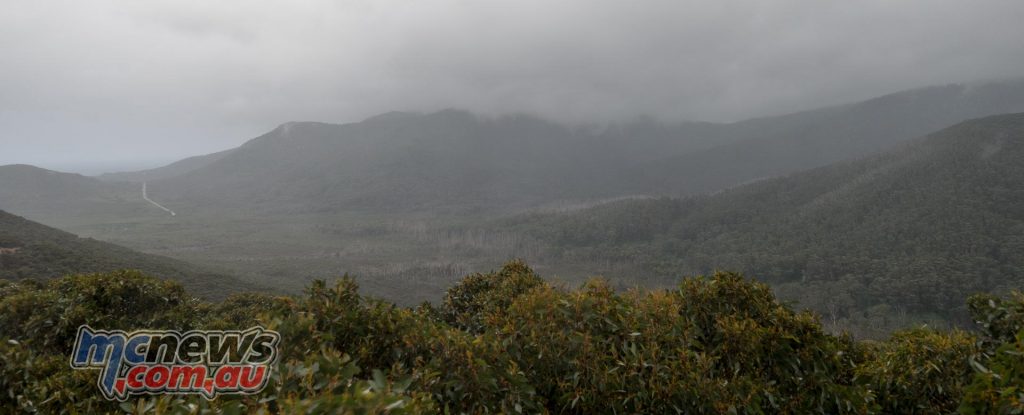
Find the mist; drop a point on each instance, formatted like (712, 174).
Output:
(112, 85)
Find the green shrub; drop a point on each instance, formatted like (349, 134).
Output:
(34, 382)
(716, 345)
(460, 371)
(998, 384)
(468, 304)
(46, 318)
(999, 318)
(920, 371)
(506, 342)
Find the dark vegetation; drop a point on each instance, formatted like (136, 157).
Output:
(31, 250)
(406, 201)
(508, 342)
(454, 161)
(908, 233)
(872, 246)
(774, 146)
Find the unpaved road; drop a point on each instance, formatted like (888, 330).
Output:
(144, 196)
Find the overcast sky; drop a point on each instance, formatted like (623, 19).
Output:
(87, 85)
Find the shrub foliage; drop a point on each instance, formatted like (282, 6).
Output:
(508, 342)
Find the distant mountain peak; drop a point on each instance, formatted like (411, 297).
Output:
(455, 157)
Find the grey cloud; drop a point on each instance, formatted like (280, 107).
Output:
(121, 81)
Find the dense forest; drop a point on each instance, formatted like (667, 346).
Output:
(459, 162)
(509, 342)
(873, 245)
(512, 207)
(907, 232)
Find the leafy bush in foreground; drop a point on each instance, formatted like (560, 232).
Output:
(715, 345)
(507, 342)
(920, 371)
(998, 386)
(478, 297)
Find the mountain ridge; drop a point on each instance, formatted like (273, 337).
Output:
(426, 158)
(917, 227)
(459, 162)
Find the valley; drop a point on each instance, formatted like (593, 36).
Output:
(410, 203)
(521, 207)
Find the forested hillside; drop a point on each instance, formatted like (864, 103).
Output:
(508, 342)
(398, 162)
(400, 198)
(774, 146)
(31, 250)
(455, 160)
(910, 231)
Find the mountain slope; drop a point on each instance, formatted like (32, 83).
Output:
(32, 250)
(24, 185)
(773, 146)
(455, 160)
(65, 199)
(914, 229)
(174, 169)
(449, 159)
